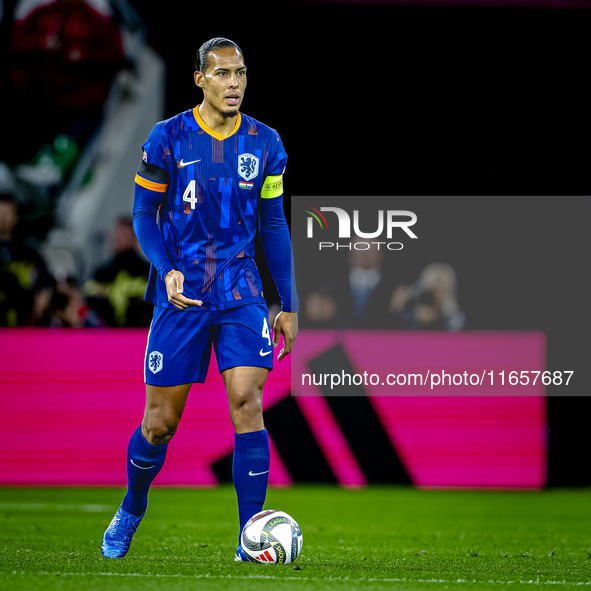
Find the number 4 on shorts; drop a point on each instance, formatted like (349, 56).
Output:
(266, 334)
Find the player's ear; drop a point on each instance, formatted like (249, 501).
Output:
(198, 76)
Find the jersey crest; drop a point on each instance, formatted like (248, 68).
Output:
(248, 166)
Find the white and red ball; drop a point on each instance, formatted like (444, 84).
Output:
(271, 537)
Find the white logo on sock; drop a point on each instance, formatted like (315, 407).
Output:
(251, 473)
(142, 467)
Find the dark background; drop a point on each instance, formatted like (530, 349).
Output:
(399, 99)
(374, 99)
(384, 99)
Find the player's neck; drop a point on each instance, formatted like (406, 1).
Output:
(215, 120)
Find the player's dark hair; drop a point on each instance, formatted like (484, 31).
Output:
(202, 61)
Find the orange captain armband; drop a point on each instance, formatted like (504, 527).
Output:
(150, 185)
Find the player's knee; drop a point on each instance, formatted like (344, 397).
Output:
(159, 429)
(247, 400)
(246, 405)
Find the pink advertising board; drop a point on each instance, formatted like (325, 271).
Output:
(71, 398)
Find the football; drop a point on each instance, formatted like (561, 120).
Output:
(271, 537)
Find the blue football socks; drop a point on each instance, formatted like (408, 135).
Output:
(250, 470)
(144, 461)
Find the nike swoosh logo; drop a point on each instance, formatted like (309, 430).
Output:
(263, 354)
(142, 467)
(251, 473)
(182, 163)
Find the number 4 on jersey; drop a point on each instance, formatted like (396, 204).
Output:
(189, 194)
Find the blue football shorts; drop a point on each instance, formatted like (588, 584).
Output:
(179, 343)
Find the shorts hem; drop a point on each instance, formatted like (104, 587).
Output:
(179, 384)
(245, 365)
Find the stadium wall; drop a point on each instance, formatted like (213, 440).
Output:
(71, 398)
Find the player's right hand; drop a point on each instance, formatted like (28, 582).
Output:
(174, 289)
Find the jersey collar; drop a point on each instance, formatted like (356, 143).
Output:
(211, 132)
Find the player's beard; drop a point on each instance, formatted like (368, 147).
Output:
(228, 114)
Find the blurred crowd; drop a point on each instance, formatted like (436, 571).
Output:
(368, 295)
(31, 296)
(63, 58)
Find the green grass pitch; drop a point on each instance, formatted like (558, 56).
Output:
(375, 538)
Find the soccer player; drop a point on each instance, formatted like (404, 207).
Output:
(206, 176)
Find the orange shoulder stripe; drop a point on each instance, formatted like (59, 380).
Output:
(151, 185)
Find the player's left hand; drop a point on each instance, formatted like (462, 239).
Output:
(286, 324)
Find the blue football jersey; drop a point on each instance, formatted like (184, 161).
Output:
(211, 186)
